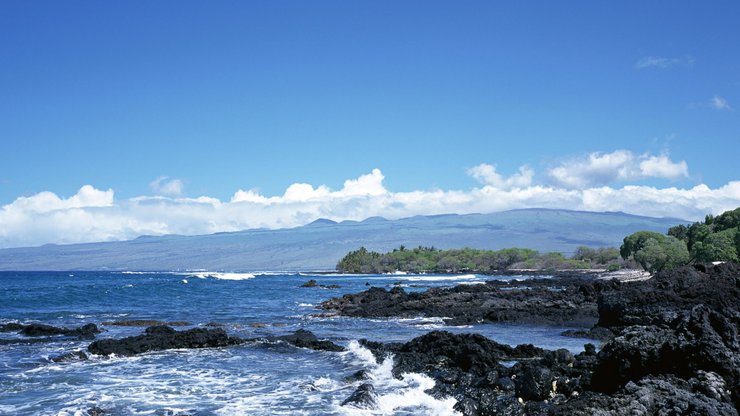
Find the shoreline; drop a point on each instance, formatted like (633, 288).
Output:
(646, 325)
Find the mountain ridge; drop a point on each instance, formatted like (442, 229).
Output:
(321, 243)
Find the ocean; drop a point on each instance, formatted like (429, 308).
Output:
(250, 379)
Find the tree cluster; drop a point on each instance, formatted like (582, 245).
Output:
(469, 260)
(715, 239)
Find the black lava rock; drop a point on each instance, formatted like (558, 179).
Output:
(157, 338)
(306, 339)
(363, 398)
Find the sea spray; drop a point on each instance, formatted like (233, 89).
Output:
(404, 395)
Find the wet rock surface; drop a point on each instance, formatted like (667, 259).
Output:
(363, 398)
(565, 300)
(87, 331)
(145, 322)
(158, 338)
(674, 350)
(306, 339)
(69, 357)
(314, 283)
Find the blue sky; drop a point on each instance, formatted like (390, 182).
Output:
(203, 99)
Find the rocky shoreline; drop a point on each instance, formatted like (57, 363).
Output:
(671, 344)
(570, 299)
(675, 351)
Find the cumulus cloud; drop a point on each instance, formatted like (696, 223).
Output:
(487, 175)
(599, 169)
(719, 103)
(662, 62)
(42, 202)
(96, 215)
(663, 167)
(163, 185)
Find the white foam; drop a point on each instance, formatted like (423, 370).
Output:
(362, 355)
(394, 395)
(306, 305)
(332, 274)
(425, 278)
(220, 275)
(422, 320)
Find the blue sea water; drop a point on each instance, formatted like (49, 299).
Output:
(250, 379)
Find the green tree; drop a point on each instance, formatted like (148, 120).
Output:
(636, 241)
(719, 246)
(697, 232)
(584, 253)
(656, 255)
(606, 255)
(727, 220)
(360, 261)
(680, 231)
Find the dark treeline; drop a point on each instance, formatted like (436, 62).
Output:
(432, 260)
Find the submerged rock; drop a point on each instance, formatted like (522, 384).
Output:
(306, 339)
(87, 331)
(11, 327)
(69, 357)
(364, 397)
(97, 411)
(157, 338)
(145, 322)
(314, 283)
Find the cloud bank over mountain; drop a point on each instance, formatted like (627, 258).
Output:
(586, 183)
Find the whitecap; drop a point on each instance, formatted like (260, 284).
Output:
(440, 278)
(394, 395)
(220, 275)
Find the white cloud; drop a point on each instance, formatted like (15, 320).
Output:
(487, 175)
(599, 169)
(370, 184)
(719, 103)
(663, 167)
(43, 202)
(95, 215)
(163, 185)
(661, 62)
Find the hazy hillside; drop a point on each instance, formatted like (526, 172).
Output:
(319, 245)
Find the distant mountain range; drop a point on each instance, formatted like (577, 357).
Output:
(320, 244)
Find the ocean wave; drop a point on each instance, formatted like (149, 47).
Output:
(405, 395)
(220, 275)
(333, 274)
(436, 278)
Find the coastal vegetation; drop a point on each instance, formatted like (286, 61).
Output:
(714, 239)
(470, 260)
